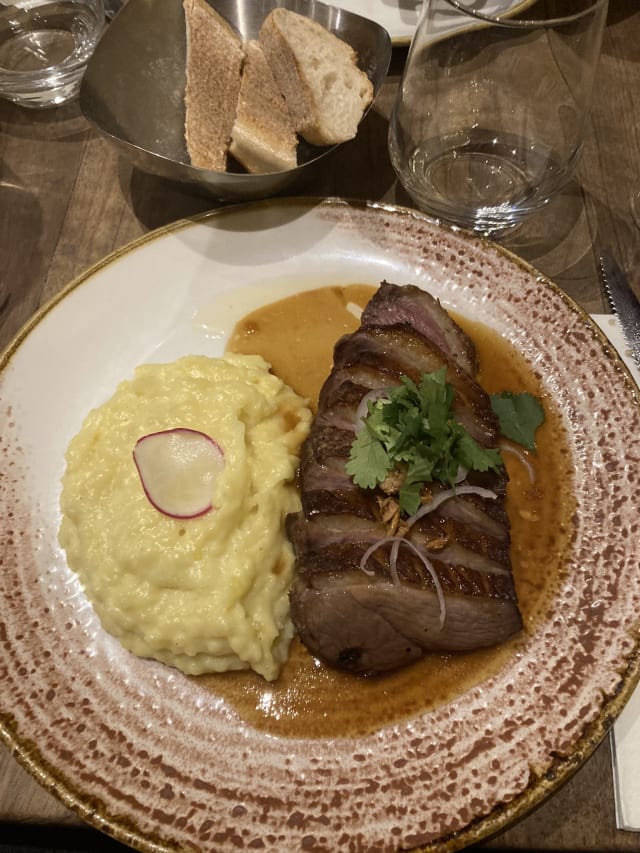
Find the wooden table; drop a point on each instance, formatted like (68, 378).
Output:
(67, 200)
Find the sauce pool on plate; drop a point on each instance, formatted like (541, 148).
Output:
(296, 336)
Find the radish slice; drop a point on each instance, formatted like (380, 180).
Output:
(177, 469)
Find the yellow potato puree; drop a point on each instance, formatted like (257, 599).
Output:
(204, 594)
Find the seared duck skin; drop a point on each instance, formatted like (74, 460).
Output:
(374, 590)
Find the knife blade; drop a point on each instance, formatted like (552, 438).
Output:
(623, 302)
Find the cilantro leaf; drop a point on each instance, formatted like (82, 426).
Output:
(519, 416)
(368, 462)
(413, 429)
(473, 456)
(409, 496)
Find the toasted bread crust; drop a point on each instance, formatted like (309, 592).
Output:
(253, 99)
(325, 90)
(263, 138)
(288, 75)
(214, 66)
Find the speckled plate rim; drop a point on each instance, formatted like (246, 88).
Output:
(621, 678)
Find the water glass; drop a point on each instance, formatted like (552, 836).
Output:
(489, 119)
(44, 48)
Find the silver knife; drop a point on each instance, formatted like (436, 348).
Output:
(623, 301)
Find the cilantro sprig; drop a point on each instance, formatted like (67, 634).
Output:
(519, 416)
(413, 430)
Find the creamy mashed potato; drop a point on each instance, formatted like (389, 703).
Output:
(204, 594)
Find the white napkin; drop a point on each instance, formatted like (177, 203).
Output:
(625, 737)
(625, 752)
(610, 325)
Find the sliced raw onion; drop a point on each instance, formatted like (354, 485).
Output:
(178, 469)
(520, 454)
(393, 559)
(370, 550)
(443, 496)
(372, 396)
(396, 542)
(434, 577)
(461, 474)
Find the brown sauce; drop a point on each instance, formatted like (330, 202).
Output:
(296, 335)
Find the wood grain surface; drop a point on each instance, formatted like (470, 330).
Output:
(67, 199)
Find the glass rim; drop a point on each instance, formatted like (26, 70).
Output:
(503, 20)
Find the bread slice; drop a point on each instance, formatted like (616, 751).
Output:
(263, 138)
(325, 90)
(214, 67)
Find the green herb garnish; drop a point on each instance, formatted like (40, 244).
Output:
(519, 416)
(413, 430)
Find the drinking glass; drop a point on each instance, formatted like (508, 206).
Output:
(489, 118)
(44, 48)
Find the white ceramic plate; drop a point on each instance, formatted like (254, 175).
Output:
(400, 17)
(162, 763)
